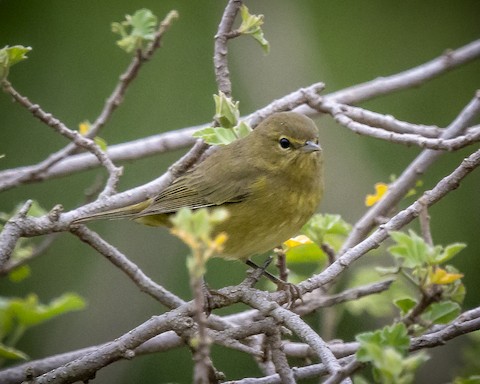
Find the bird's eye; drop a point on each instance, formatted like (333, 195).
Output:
(284, 143)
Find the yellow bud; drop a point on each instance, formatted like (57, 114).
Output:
(84, 127)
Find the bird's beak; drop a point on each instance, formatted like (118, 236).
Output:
(310, 146)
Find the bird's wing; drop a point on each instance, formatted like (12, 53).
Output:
(203, 188)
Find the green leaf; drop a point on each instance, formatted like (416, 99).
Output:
(222, 136)
(449, 252)
(327, 228)
(410, 249)
(101, 143)
(411, 363)
(456, 292)
(242, 129)
(11, 353)
(414, 252)
(30, 312)
(136, 31)
(372, 344)
(405, 304)
(9, 56)
(387, 350)
(226, 110)
(396, 336)
(216, 136)
(442, 313)
(251, 25)
(306, 253)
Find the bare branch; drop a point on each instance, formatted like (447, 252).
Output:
(308, 372)
(220, 57)
(410, 78)
(84, 368)
(279, 359)
(341, 113)
(313, 301)
(128, 267)
(411, 174)
(467, 322)
(37, 251)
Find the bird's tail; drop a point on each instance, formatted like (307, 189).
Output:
(128, 212)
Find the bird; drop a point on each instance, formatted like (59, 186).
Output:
(270, 182)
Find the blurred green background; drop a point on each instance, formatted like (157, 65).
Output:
(74, 66)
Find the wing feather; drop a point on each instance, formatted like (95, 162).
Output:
(199, 188)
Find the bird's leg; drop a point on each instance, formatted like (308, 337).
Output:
(263, 269)
(281, 263)
(292, 290)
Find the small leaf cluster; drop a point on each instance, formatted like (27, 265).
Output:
(440, 285)
(17, 315)
(9, 56)
(227, 115)
(136, 30)
(387, 350)
(195, 229)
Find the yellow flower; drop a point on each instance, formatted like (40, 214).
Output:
(441, 276)
(296, 241)
(380, 190)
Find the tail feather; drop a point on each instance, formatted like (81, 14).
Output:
(128, 212)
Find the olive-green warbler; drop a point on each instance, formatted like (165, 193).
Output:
(270, 181)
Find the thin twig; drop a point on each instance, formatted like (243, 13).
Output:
(388, 122)
(37, 171)
(79, 140)
(37, 251)
(220, 57)
(128, 267)
(424, 220)
(313, 301)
